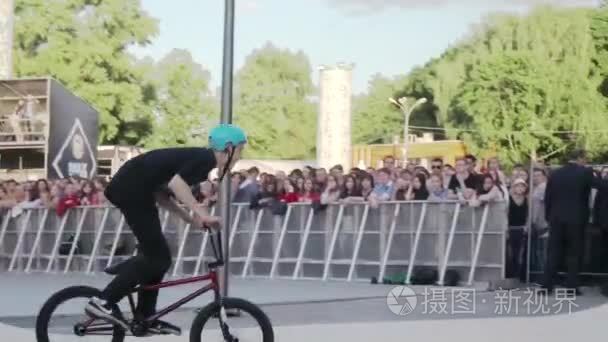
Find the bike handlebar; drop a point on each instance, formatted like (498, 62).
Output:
(218, 252)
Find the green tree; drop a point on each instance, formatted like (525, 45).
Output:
(83, 44)
(504, 102)
(375, 119)
(273, 93)
(516, 80)
(184, 108)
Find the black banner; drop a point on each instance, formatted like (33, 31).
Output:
(72, 145)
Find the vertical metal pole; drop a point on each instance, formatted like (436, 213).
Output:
(49, 266)
(334, 238)
(406, 130)
(102, 227)
(389, 244)
(254, 237)
(482, 229)
(279, 246)
(235, 224)
(5, 222)
(121, 224)
(529, 221)
(17, 250)
(41, 225)
(296, 270)
(227, 72)
(412, 261)
(448, 249)
(353, 261)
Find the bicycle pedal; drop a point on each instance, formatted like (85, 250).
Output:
(165, 329)
(156, 332)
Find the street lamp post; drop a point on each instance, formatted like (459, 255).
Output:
(226, 117)
(407, 111)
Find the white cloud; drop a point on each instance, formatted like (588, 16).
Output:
(367, 6)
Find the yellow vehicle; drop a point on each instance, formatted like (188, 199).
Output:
(420, 152)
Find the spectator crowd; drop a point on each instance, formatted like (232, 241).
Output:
(466, 181)
(59, 194)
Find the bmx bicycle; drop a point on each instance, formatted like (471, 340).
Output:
(84, 326)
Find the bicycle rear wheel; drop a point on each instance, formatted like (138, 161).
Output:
(206, 325)
(62, 319)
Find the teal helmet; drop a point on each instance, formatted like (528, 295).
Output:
(224, 135)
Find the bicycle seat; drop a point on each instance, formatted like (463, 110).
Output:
(115, 269)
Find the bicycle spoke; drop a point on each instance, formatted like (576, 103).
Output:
(243, 328)
(63, 319)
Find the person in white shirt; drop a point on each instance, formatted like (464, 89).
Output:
(488, 192)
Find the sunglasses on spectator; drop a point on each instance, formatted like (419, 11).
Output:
(435, 166)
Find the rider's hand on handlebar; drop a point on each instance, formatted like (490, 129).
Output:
(207, 222)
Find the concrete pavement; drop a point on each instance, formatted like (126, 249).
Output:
(336, 311)
(582, 326)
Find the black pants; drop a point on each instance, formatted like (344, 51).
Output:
(516, 253)
(602, 251)
(565, 241)
(151, 263)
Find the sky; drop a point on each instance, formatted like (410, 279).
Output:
(389, 37)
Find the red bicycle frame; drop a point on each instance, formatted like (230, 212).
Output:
(214, 286)
(211, 276)
(90, 327)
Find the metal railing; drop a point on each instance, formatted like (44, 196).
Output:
(17, 130)
(342, 242)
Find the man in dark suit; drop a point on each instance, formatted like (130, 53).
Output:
(567, 211)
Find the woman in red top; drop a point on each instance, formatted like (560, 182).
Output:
(308, 194)
(69, 200)
(89, 195)
(289, 194)
(299, 184)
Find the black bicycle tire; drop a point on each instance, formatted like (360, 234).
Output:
(231, 303)
(49, 307)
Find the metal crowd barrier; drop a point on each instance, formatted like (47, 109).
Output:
(20, 130)
(348, 242)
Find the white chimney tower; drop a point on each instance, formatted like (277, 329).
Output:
(335, 116)
(6, 38)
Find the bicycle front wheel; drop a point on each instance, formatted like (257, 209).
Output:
(252, 325)
(62, 318)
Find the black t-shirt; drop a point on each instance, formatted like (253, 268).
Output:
(471, 182)
(150, 172)
(518, 213)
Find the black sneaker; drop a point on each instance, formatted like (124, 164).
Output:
(164, 328)
(97, 308)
